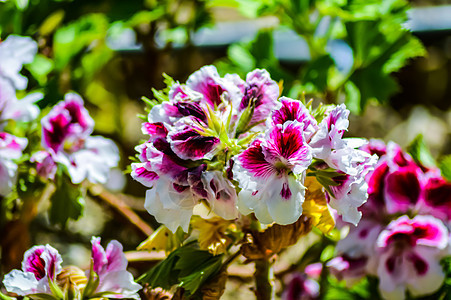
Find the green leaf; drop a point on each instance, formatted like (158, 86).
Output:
(164, 274)
(317, 71)
(420, 153)
(66, 203)
(241, 56)
(40, 68)
(187, 266)
(352, 100)
(445, 167)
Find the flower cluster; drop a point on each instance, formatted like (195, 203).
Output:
(405, 227)
(66, 137)
(237, 147)
(15, 51)
(42, 273)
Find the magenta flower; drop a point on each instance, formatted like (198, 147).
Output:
(294, 110)
(11, 148)
(214, 89)
(437, 197)
(40, 265)
(281, 157)
(410, 251)
(299, 287)
(110, 265)
(66, 136)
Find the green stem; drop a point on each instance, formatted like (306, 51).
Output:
(264, 280)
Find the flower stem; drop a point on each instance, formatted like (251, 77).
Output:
(264, 280)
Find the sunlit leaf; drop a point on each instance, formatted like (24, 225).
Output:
(212, 234)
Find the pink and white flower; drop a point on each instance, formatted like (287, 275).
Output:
(15, 51)
(40, 265)
(175, 188)
(351, 191)
(11, 108)
(110, 265)
(281, 158)
(330, 133)
(11, 148)
(410, 251)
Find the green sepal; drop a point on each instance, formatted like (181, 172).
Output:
(42, 296)
(92, 284)
(56, 291)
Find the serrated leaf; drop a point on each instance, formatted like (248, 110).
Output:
(420, 153)
(163, 274)
(445, 167)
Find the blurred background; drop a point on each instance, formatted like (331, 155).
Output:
(391, 65)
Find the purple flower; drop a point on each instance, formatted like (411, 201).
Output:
(40, 265)
(110, 265)
(259, 92)
(11, 148)
(278, 158)
(299, 287)
(410, 251)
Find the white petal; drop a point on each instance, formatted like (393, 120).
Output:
(21, 283)
(120, 282)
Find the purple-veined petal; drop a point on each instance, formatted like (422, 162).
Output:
(221, 193)
(170, 205)
(261, 92)
(155, 130)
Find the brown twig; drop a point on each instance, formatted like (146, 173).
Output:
(99, 193)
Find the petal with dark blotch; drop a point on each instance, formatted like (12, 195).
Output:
(189, 144)
(402, 189)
